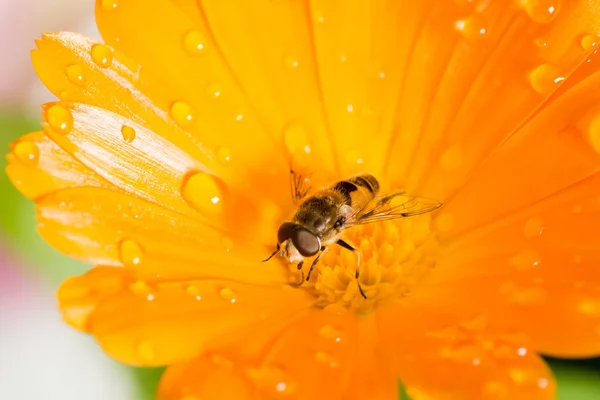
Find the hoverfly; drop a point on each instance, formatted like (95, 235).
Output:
(321, 218)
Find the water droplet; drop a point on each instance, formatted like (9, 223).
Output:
(102, 55)
(318, 17)
(131, 252)
(541, 11)
(182, 113)
(326, 359)
(204, 192)
(228, 295)
(227, 243)
(295, 138)
(444, 222)
(223, 155)
(328, 332)
(215, 89)
(75, 74)
(239, 117)
(110, 5)
(593, 134)
(194, 43)
(353, 158)
(27, 152)
(522, 351)
(146, 351)
(545, 78)
(193, 290)
(140, 288)
(589, 42)
(533, 227)
(128, 133)
(350, 108)
(460, 24)
(526, 259)
(272, 380)
(290, 62)
(60, 119)
(451, 159)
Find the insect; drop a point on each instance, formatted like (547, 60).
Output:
(321, 218)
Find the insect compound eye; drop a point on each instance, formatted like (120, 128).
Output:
(307, 243)
(286, 231)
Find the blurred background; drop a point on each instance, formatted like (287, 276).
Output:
(40, 357)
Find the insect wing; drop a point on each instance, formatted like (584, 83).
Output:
(397, 205)
(299, 185)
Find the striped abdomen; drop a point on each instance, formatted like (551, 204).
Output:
(357, 189)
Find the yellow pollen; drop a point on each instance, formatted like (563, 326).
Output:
(394, 256)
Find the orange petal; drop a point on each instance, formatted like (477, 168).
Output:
(154, 322)
(440, 359)
(531, 165)
(111, 228)
(210, 377)
(165, 35)
(37, 166)
(478, 70)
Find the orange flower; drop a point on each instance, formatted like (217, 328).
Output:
(166, 162)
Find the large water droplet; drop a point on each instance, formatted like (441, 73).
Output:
(182, 113)
(589, 42)
(110, 5)
(146, 351)
(541, 11)
(60, 119)
(27, 152)
(451, 159)
(223, 155)
(75, 74)
(228, 294)
(131, 252)
(295, 138)
(204, 192)
(102, 55)
(326, 359)
(328, 332)
(194, 43)
(545, 78)
(533, 227)
(128, 133)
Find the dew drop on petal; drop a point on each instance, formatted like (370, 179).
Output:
(110, 5)
(273, 381)
(526, 259)
(204, 192)
(451, 159)
(102, 55)
(326, 359)
(27, 152)
(227, 243)
(589, 42)
(223, 155)
(533, 227)
(192, 290)
(182, 113)
(228, 294)
(131, 252)
(75, 74)
(194, 43)
(545, 78)
(290, 62)
(593, 134)
(541, 11)
(140, 288)
(146, 351)
(328, 332)
(60, 119)
(215, 90)
(128, 133)
(354, 158)
(295, 138)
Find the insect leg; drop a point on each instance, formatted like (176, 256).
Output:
(271, 256)
(314, 263)
(345, 245)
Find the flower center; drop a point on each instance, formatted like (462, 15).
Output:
(394, 256)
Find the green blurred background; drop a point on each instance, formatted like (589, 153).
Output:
(40, 356)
